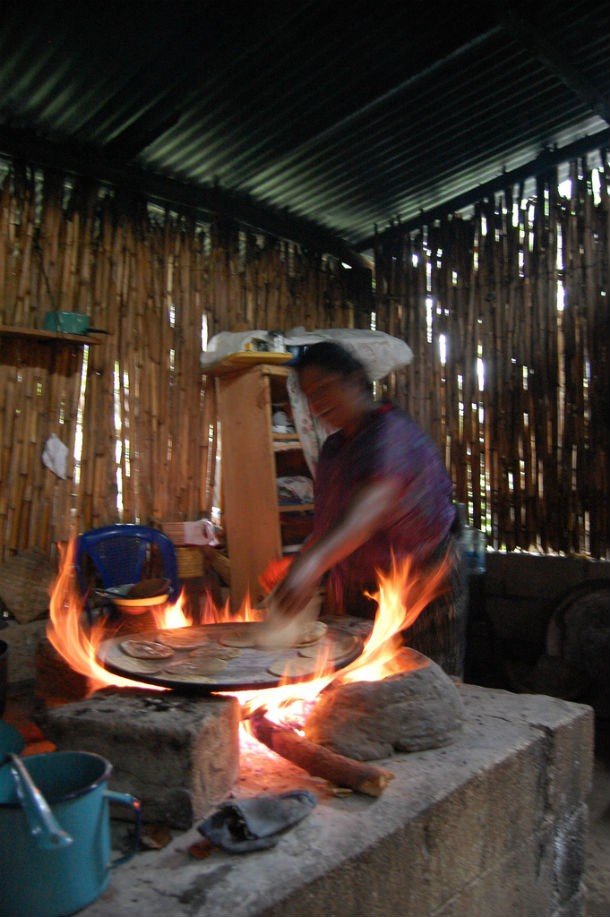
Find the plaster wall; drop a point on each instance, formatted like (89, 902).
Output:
(511, 605)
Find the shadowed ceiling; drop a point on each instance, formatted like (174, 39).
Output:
(315, 120)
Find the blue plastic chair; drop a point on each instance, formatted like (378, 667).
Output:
(121, 554)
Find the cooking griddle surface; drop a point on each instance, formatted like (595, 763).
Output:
(247, 671)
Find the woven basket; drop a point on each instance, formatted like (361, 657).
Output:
(190, 562)
(175, 531)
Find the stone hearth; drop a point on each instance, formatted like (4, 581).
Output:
(494, 823)
(177, 754)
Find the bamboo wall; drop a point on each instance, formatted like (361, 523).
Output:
(527, 446)
(134, 407)
(519, 291)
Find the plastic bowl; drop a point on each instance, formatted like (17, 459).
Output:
(139, 606)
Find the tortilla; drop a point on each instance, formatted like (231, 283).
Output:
(183, 638)
(311, 633)
(293, 668)
(261, 636)
(146, 649)
(213, 651)
(298, 629)
(192, 668)
(306, 635)
(332, 650)
(141, 667)
(243, 636)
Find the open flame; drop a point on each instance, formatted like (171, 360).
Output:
(78, 645)
(401, 597)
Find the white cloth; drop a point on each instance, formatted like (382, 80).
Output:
(200, 532)
(55, 456)
(295, 489)
(380, 353)
(227, 342)
(311, 432)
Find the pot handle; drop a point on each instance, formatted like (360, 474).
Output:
(126, 799)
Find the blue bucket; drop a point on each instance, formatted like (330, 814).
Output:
(53, 883)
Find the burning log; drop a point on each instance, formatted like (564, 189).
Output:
(319, 761)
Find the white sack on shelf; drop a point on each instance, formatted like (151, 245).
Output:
(228, 342)
(295, 489)
(381, 353)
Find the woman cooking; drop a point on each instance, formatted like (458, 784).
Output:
(381, 493)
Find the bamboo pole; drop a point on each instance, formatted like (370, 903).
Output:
(543, 431)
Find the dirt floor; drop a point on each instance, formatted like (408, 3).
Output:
(597, 875)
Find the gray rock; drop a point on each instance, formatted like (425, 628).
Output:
(415, 710)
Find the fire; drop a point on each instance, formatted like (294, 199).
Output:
(401, 598)
(212, 614)
(78, 645)
(171, 615)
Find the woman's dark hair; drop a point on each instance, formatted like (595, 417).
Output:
(333, 358)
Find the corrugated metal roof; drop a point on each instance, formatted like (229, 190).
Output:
(342, 116)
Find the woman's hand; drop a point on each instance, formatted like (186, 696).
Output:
(299, 585)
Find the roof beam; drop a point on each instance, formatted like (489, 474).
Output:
(102, 165)
(135, 138)
(547, 160)
(551, 57)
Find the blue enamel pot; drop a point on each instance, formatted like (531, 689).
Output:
(39, 882)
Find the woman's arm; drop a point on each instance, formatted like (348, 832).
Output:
(365, 514)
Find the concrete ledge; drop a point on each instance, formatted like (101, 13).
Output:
(493, 824)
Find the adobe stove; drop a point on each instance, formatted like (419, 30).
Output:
(279, 686)
(494, 822)
(474, 801)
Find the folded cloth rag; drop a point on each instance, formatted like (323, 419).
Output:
(243, 825)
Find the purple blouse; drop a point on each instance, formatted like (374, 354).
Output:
(388, 444)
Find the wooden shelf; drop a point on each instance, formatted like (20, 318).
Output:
(253, 457)
(240, 362)
(46, 336)
(287, 445)
(295, 507)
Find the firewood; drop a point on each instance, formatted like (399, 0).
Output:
(319, 761)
